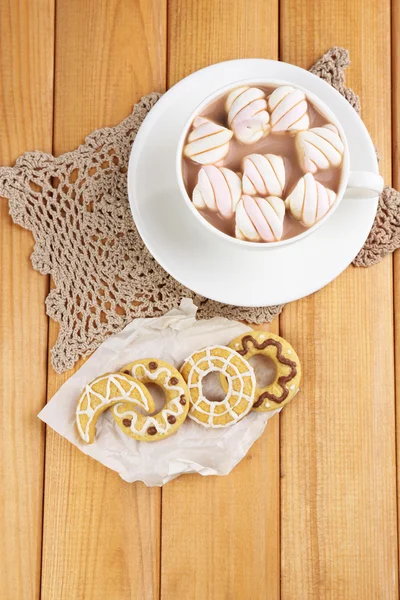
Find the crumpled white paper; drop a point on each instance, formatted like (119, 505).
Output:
(193, 448)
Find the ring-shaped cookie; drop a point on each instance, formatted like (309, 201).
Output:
(241, 383)
(150, 428)
(106, 391)
(288, 369)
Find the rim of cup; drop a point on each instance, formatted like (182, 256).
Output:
(318, 103)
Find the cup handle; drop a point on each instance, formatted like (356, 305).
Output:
(365, 184)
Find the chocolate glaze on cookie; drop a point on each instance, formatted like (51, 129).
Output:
(283, 380)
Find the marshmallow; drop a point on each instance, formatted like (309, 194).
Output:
(217, 189)
(309, 201)
(208, 142)
(319, 148)
(260, 219)
(288, 109)
(247, 114)
(263, 175)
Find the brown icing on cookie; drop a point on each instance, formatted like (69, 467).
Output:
(153, 365)
(182, 400)
(127, 422)
(171, 419)
(283, 380)
(152, 431)
(127, 372)
(259, 401)
(174, 381)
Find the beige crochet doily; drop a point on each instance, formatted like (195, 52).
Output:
(77, 208)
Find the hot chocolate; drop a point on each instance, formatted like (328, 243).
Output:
(262, 163)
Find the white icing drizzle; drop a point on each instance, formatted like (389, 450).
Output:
(120, 395)
(172, 406)
(210, 357)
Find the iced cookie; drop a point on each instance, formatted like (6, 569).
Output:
(319, 148)
(247, 114)
(208, 142)
(289, 110)
(259, 219)
(166, 421)
(104, 392)
(288, 369)
(218, 190)
(240, 379)
(263, 175)
(309, 201)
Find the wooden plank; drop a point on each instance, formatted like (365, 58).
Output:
(203, 32)
(101, 535)
(220, 535)
(338, 487)
(26, 97)
(396, 185)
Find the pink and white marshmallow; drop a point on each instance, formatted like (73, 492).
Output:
(263, 175)
(309, 201)
(260, 219)
(319, 148)
(288, 109)
(208, 142)
(247, 114)
(217, 189)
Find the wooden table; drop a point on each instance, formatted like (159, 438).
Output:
(311, 512)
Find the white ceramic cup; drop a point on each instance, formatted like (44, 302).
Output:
(356, 184)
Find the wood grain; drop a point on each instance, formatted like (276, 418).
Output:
(396, 185)
(108, 55)
(220, 535)
(203, 32)
(101, 535)
(26, 93)
(338, 487)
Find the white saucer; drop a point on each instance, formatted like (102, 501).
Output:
(240, 276)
